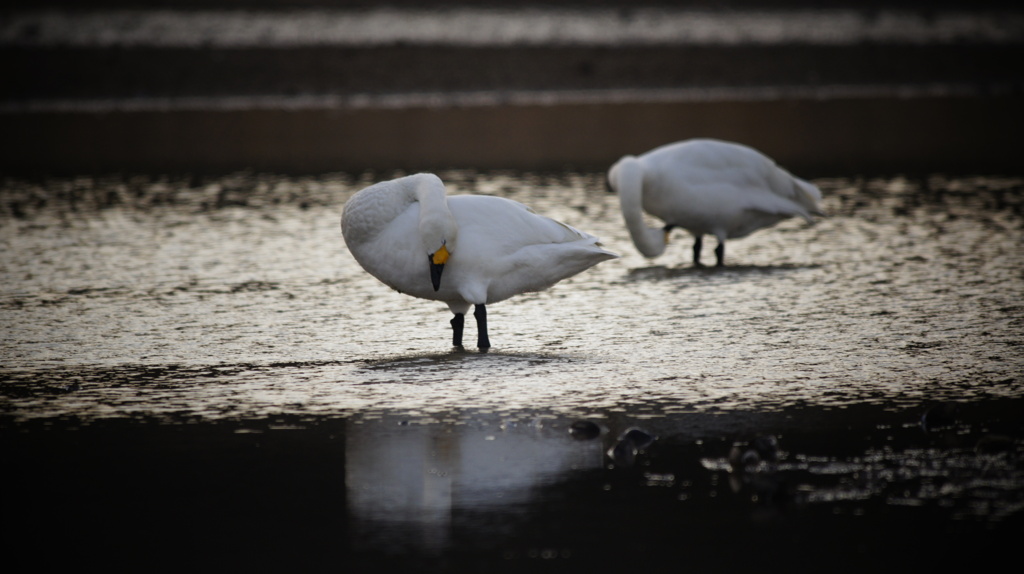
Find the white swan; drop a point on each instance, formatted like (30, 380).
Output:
(463, 250)
(707, 187)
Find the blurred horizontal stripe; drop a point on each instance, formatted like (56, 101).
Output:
(488, 98)
(503, 27)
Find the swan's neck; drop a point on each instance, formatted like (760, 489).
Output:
(629, 177)
(432, 200)
(437, 224)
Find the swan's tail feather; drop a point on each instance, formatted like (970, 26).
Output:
(594, 248)
(599, 247)
(573, 231)
(808, 195)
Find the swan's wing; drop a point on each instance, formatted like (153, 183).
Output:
(775, 204)
(505, 248)
(714, 163)
(505, 225)
(785, 185)
(749, 167)
(808, 195)
(762, 183)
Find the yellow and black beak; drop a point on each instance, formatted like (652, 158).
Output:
(437, 261)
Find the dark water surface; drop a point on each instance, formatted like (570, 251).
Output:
(196, 374)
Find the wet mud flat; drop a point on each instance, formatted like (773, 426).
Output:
(196, 374)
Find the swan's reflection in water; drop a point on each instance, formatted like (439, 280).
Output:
(406, 482)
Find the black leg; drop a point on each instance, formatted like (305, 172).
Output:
(698, 244)
(457, 322)
(720, 254)
(480, 312)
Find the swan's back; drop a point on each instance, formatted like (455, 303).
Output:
(514, 223)
(506, 249)
(722, 188)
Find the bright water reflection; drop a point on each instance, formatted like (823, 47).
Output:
(909, 289)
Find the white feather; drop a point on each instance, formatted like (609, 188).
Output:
(707, 187)
(498, 247)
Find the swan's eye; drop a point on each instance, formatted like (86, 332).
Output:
(440, 256)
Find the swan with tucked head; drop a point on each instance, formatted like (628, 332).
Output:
(464, 250)
(707, 187)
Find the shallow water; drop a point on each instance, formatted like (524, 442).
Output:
(202, 359)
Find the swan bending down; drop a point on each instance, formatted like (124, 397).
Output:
(463, 250)
(706, 187)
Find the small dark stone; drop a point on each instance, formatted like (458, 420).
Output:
(623, 453)
(639, 437)
(940, 416)
(584, 430)
(629, 445)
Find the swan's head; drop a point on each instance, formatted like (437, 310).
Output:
(440, 237)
